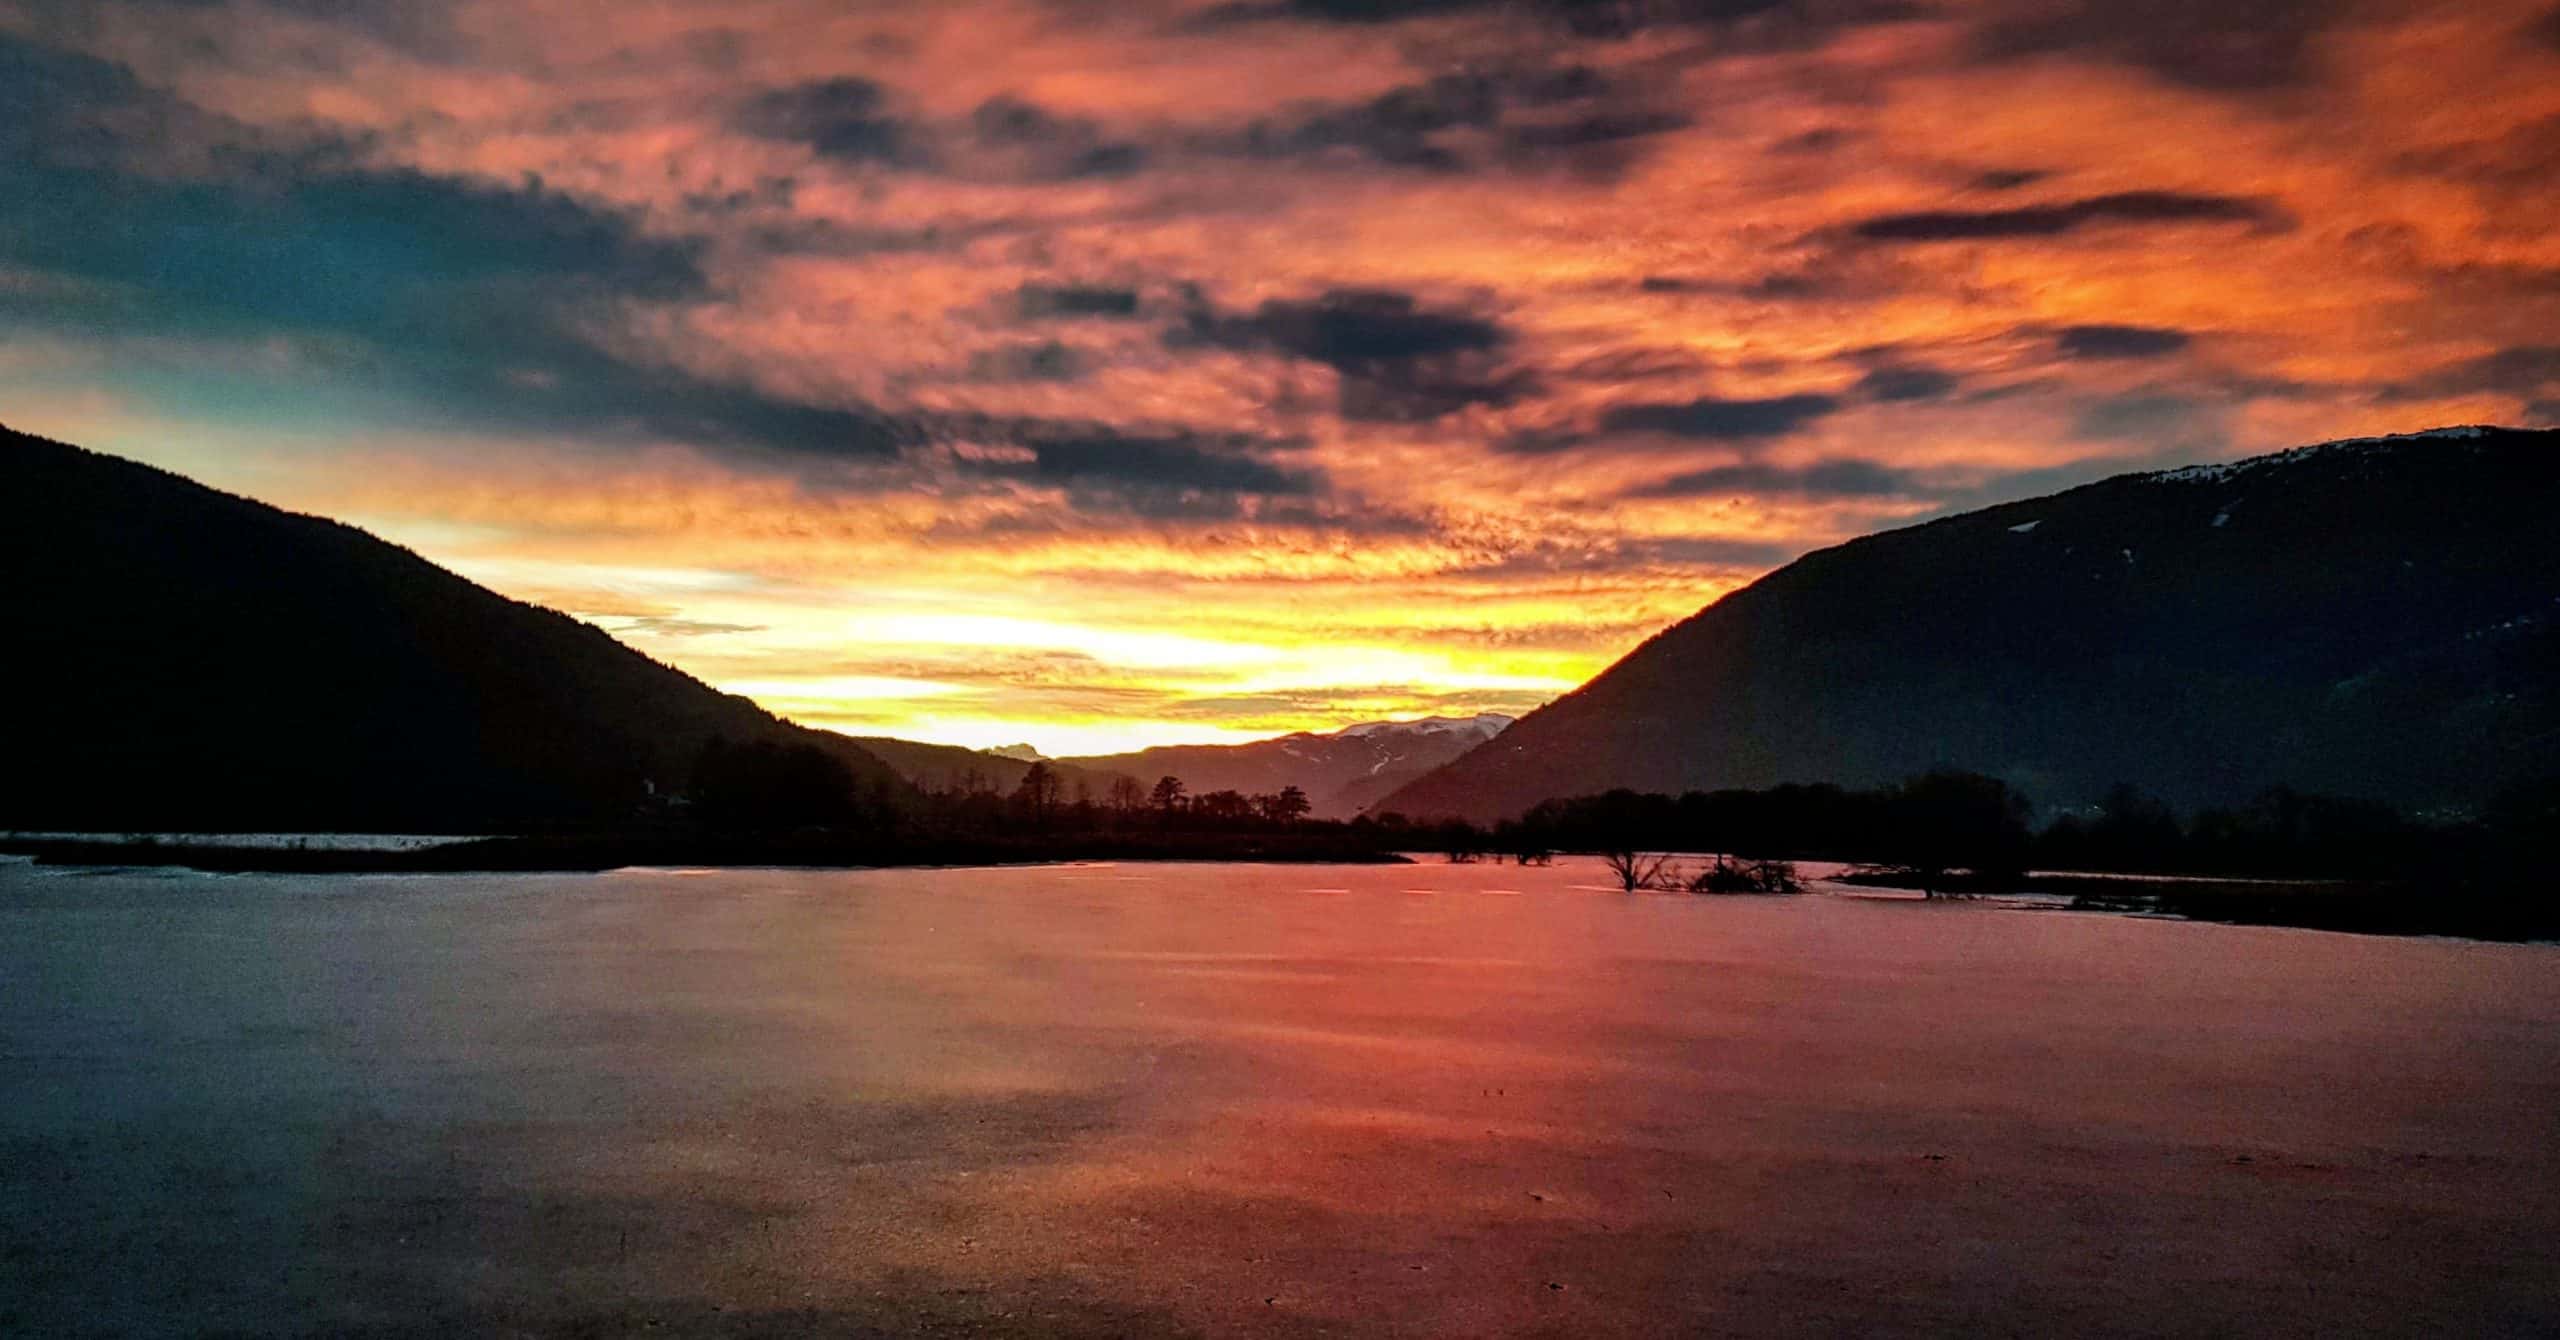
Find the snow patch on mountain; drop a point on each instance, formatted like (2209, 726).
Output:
(2216, 472)
(1486, 724)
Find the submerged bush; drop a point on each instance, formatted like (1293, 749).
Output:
(1731, 876)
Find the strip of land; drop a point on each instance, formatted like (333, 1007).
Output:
(569, 853)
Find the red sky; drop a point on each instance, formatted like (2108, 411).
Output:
(1106, 374)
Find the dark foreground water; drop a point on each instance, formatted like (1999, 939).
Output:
(1428, 1101)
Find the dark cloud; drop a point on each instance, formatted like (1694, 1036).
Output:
(849, 119)
(2547, 29)
(423, 28)
(1398, 360)
(1039, 361)
(1349, 330)
(1172, 477)
(2124, 208)
(2516, 170)
(1042, 301)
(2220, 45)
(2171, 425)
(1184, 464)
(1602, 19)
(464, 299)
(2517, 367)
(1846, 478)
(1900, 383)
(845, 118)
(384, 255)
(49, 99)
(833, 237)
(1428, 389)
(601, 395)
(2119, 341)
(2007, 179)
(1043, 145)
(2524, 370)
(1396, 128)
(1713, 419)
(1813, 142)
(1569, 115)
(1634, 364)
(1599, 142)
(1776, 287)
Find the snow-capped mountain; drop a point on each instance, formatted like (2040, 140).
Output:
(2377, 617)
(1343, 772)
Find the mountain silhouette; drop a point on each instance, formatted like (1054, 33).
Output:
(181, 658)
(1341, 771)
(2371, 618)
(951, 767)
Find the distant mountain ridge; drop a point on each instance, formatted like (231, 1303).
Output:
(951, 767)
(2377, 617)
(1343, 772)
(185, 658)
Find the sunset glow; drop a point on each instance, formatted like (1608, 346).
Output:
(1103, 376)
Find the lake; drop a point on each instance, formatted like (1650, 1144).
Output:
(1211, 1099)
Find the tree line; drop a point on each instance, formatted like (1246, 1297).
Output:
(1930, 827)
(1045, 798)
(773, 786)
(1947, 821)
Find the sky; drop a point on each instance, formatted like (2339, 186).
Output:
(1100, 375)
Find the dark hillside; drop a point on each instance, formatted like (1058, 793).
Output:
(182, 658)
(2371, 618)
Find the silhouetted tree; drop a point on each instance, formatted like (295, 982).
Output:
(1167, 796)
(1286, 806)
(1036, 795)
(1128, 796)
(2131, 830)
(1462, 842)
(1958, 820)
(1525, 843)
(1222, 807)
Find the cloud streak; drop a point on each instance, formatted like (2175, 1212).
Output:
(2123, 208)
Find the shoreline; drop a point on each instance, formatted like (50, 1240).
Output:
(589, 854)
(2355, 907)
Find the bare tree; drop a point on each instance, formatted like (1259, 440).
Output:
(1128, 794)
(1636, 870)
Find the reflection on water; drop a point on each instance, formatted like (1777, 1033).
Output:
(1427, 1100)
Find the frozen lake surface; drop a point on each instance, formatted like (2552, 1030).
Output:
(1159, 1100)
